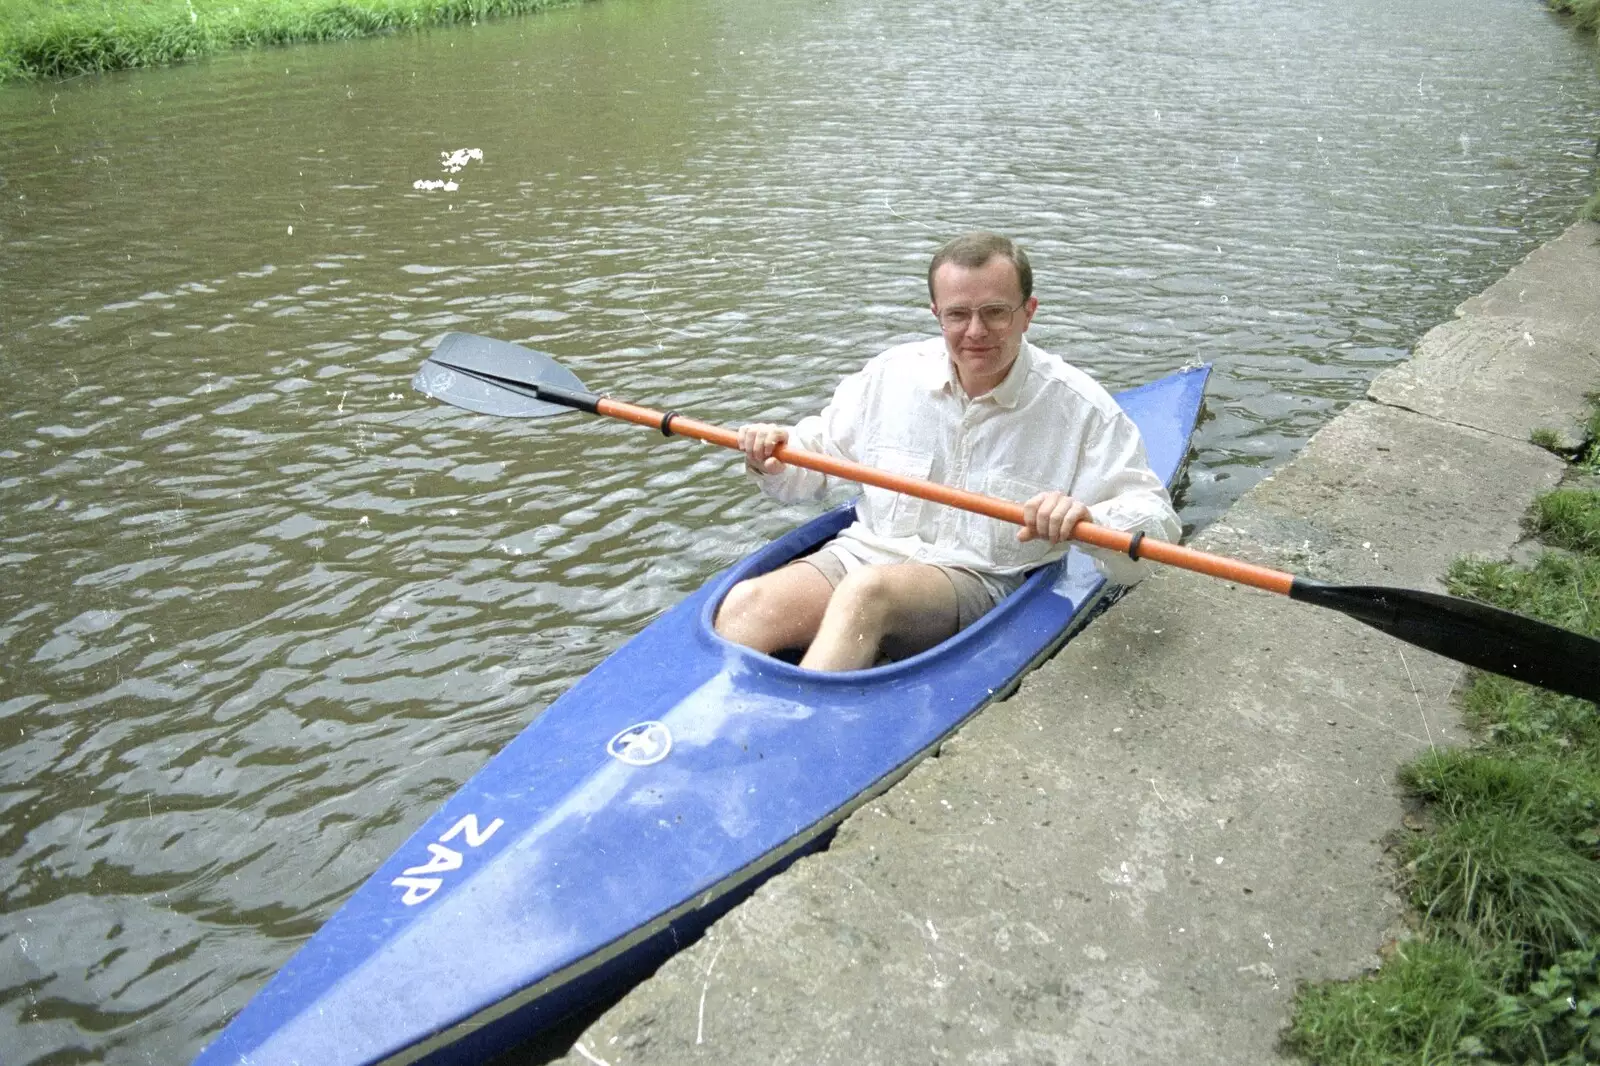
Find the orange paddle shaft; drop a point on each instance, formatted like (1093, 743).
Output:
(1158, 551)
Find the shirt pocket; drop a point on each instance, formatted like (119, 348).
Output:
(1003, 547)
(894, 514)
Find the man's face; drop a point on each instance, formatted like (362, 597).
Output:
(981, 330)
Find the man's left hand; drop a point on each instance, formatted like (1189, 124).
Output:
(1051, 516)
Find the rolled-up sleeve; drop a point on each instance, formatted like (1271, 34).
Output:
(833, 432)
(1123, 493)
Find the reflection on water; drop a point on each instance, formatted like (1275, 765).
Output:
(262, 607)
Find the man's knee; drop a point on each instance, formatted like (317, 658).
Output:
(777, 610)
(740, 606)
(757, 604)
(867, 592)
(896, 599)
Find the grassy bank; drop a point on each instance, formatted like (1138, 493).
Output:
(61, 38)
(1586, 12)
(1504, 962)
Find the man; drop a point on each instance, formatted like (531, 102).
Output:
(980, 409)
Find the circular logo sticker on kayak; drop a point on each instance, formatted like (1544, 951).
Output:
(439, 379)
(642, 744)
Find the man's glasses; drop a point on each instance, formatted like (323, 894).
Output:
(993, 317)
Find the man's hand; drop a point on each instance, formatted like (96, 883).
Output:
(1051, 515)
(759, 440)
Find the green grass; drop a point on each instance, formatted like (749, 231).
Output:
(1549, 794)
(1500, 875)
(1545, 438)
(1532, 721)
(1590, 455)
(1569, 518)
(1504, 966)
(1437, 1002)
(1586, 13)
(1561, 589)
(1417, 1009)
(60, 38)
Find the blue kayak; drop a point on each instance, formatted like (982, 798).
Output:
(660, 789)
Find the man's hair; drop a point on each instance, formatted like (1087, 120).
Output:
(973, 250)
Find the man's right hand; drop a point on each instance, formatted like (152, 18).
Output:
(759, 440)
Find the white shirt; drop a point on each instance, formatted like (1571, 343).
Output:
(1046, 426)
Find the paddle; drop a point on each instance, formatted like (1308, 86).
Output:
(496, 378)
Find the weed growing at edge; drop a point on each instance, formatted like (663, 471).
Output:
(1546, 438)
(1590, 460)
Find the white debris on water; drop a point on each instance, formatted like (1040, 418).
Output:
(451, 163)
(454, 162)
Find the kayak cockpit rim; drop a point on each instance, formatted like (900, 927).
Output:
(781, 552)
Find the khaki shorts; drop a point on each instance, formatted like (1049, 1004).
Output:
(973, 598)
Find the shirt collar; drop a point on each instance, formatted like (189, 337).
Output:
(1009, 392)
(941, 376)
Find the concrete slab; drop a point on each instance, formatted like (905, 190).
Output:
(1505, 375)
(1558, 285)
(1387, 496)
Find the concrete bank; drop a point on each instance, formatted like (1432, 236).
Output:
(1137, 857)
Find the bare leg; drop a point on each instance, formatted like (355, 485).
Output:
(905, 607)
(779, 609)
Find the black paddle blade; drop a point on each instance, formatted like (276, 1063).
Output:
(519, 372)
(1470, 632)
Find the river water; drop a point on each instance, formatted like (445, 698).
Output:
(262, 607)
